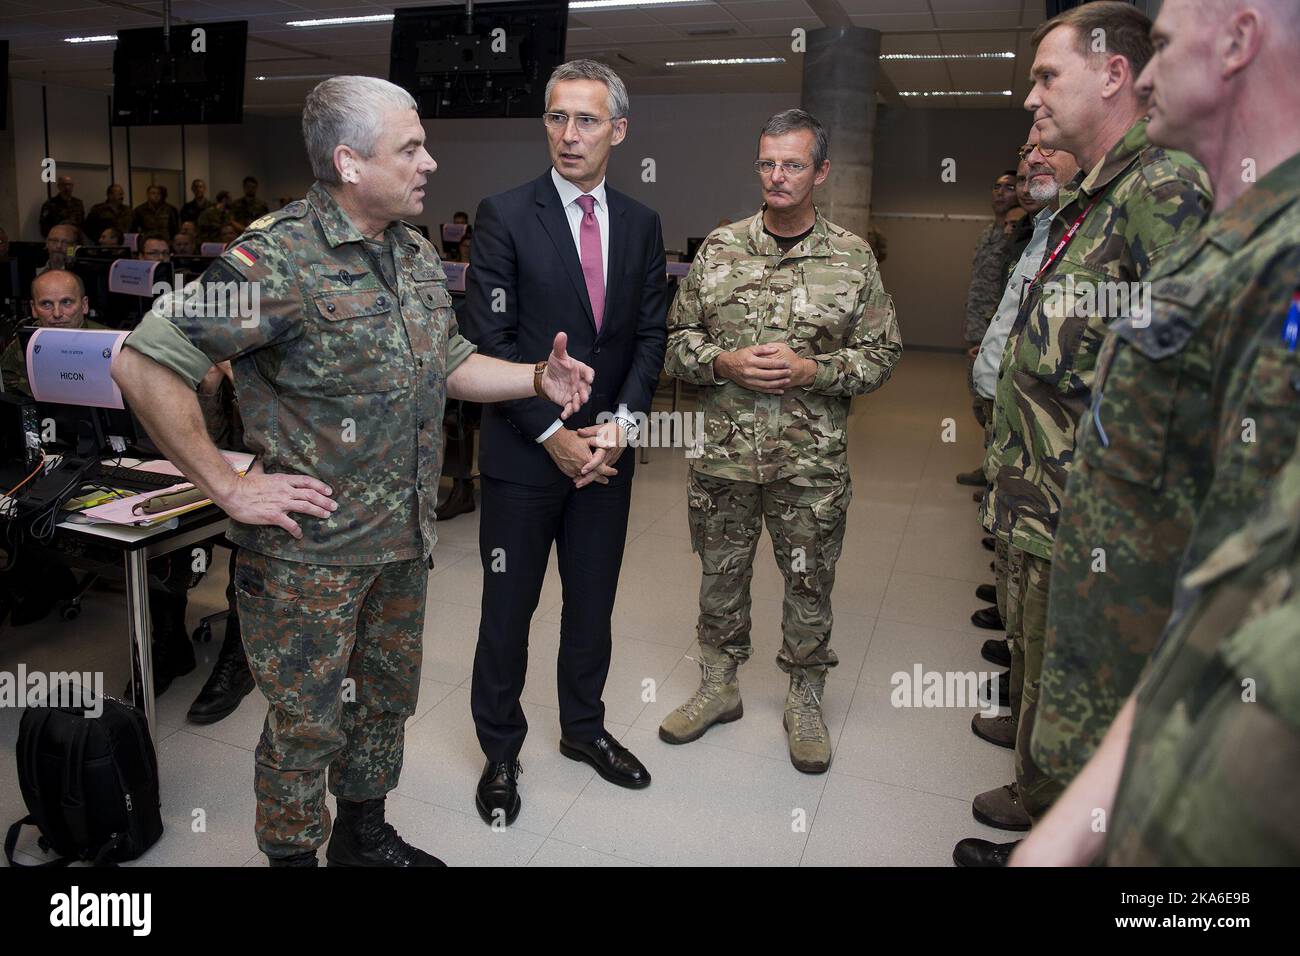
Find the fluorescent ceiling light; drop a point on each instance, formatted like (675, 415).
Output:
(299, 76)
(340, 21)
(617, 4)
(730, 61)
(948, 56)
(101, 39)
(955, 93)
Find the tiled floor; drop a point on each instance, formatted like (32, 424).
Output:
(898, 792)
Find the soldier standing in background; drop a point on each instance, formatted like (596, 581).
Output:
(780, 321)
(1120, 215)
(1197, 405)
(248, 208)
(341, 377)
(62, 207)
(988, 277)
(112, 213)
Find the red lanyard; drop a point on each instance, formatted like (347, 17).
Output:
(1065, 241)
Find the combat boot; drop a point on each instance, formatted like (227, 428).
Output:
(362, 838)
(809, 740)
(716, 701)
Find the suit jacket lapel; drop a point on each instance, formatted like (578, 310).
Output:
(556, 223)
(617, 240)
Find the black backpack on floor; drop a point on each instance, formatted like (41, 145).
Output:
(90, 784)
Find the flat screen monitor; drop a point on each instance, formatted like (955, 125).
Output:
(492, 63)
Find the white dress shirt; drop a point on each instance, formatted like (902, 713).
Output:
(569, 194)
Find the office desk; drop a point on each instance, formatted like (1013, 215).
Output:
(137, 546)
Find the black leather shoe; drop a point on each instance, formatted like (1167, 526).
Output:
(987, 593)
(971, 852)
(610, 759)
(305, 858)
(229, 683)
(989, 543)
(996, 652)
(460, 500)
(497, 797)
(362, 838)
(973, 477)
(988, 618)
(1004, 689)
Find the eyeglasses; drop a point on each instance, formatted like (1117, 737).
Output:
(586, 124)
(767, 167)
(1024, 151)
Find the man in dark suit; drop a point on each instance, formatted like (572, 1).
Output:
(561, 253)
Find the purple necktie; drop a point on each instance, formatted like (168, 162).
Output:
(592, 269)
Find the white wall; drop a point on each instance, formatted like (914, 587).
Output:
(702, 146)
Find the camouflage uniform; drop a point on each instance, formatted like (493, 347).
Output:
(988, 279)
(210, 223)
(245, 210)
(1139, 199)
(343, 378)
(782, 457)
(1176, 402)
(160, 223)
(56, 210)
(105, 214)
(1212, 772)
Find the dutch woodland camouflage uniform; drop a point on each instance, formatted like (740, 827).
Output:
(342, 377)
(1192, 415)
(1138, 200)
(782, 457)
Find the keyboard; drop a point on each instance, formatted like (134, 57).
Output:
(132, 479)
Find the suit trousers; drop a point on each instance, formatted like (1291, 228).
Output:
(517, 526)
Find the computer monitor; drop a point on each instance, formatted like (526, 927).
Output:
(30, 256)
(13, 296)
(114, 309)
(104, 253)
(191, 266)
(78, 418)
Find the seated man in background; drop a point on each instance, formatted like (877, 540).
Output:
(62, 236)
(183, 244)
(58, 302)
(155, 249)
(112, 236)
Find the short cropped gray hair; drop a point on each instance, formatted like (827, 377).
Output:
(593, 70)
(791, 121)
(347, 111)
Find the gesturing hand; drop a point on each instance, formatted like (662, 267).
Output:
(259, 498)
(566, 381)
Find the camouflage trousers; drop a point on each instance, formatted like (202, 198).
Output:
(336, 652)
(807, 528)
(1027, 585)
(1016, 646)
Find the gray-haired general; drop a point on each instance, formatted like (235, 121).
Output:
(341, 374)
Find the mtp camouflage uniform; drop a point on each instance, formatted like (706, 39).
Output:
(777, 457)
